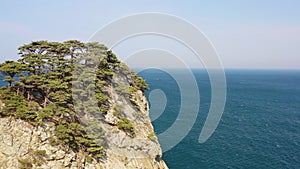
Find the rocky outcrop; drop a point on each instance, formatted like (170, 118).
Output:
(23, 145)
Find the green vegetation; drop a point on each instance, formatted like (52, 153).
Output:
(52, 82)
(15, 105)
(88, 159)
(140, 83)
(39, 157)
(25, 163)
(125, 125)
(40, 153)
(53, 141)
(151, 135)
(116, 113)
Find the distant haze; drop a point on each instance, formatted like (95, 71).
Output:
(246, 34)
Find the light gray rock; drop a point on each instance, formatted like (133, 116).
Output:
(19, 140)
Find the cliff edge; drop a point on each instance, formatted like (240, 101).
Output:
(48, 120)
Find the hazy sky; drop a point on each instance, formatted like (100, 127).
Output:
(246, 34)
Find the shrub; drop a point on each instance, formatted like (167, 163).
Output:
(39, 153)
(53, 141)
(64, 134)
(39, 157)
(151, 135)
(25, 163)
(141, 83)
(103, 109)
(125, 124)
(97, 151)
(116, 113)
(88, 159)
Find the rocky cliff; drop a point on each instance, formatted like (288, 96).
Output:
(23, 145)
(40, 130)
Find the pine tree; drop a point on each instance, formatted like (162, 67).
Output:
(11, 69)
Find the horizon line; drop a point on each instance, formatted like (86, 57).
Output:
(229, 68)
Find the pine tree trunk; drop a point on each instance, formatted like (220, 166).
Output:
(45, 102)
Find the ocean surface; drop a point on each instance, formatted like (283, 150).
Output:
(260, 126)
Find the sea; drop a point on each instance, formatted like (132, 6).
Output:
(259, 128)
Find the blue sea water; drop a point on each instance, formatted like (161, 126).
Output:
(260, 126)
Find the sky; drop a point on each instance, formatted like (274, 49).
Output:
(258, 34)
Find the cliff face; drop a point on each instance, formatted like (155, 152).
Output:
(80, 108)
(23, 145)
